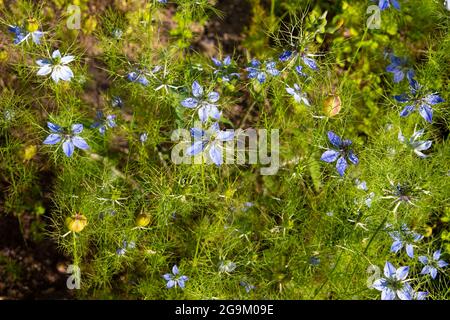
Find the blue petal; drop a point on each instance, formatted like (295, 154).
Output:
(189, 103)
(387, 294)
(80, 143)
(410, 250)
(203, 113)
(406, 111)
(196, 148)
(175, 270)
(217, 62)
(402, 97)
(436, 255)
(433, 99)
(423, 259)
(197, 133)
(213, 96)
(310, 63)
(389, 270)
(405, 293)
(380, 284)
(442, 264)
(352, 157)
(341, 165)
(53, 127)
(398, 76)
(77, 128)
(197, 89)
(401, 273)
(334, 139)
(170, 284)
(227, 61)
(168, 276)
(216, 154)
(433, 272)
(68, 147)
(396, 4)
(261, 76)
(52, 138)
(426, 112)
(285, 55)
(329, 156)
(396, 246)
(225, 135)
(383, 4)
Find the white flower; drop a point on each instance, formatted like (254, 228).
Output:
(417, 146)
(57, 67)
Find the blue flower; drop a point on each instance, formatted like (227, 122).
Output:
(384, 4)
(394, 285)
(420, 295)
(259, 71)
(173, 280)
(117, 102)
(122, 250)
(286, 55)
(211, 139)
(103, 123)
(418, 101)
(70, 140)
(340, 154)
(248, 287)
(138, 76)
(399, 68)
(432, 264)
(143, 137)
(404, 238)
(21, 35)
(224, 69)
(57, 66)
(204, 103)
(417, 146)
(305, 57)
(298, 95)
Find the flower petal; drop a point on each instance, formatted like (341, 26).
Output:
(80, 143)
(216, 154)
(341, 166)
(45, 70)
(189, 103)
(52, 138)
(396, 246)
(329, 156)
(67, 59)
(387, 294)
(197, 89)
(68, 147)
(195, 148)
(334, 139)
(77, 128)
(352, 157)
(401, 273)
(213, 97)
(426, 112)
(389, 270)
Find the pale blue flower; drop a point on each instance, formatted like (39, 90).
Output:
(57, 66)
(70, 139)
(343, 151)
(417, 146)
(404, 238)
(260, 71)
(248, 287)
(203, 103)
(432, 264)
(298, 95)
(211, 139)
(224, 69)
(394, 285)
(173, 280)
(103, 123)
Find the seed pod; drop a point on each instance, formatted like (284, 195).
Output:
(76, 223)
(32, 25)
(332, 105)
(143, 220)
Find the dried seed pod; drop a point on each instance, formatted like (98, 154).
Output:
(76, 223)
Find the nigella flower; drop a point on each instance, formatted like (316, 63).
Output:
(143, 137)
(248, 287)
(203, 103)
(384, 4)
(361, 185)
(211, 139)
(404, 238)
(103, 122)
(224, 69)
(401, 193)
(22, 34)
(57, 66)
(394, 285)
(399, 68)
(162, 1)
(138, 76)
(173, 280)
(70, 139)
(432, 264)
(418, 101)
(259, 71)
(117, 102)
(298, 95)
(417, 146)
(227, 266)
(343, 151)
(122, 250)
(307, 59)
